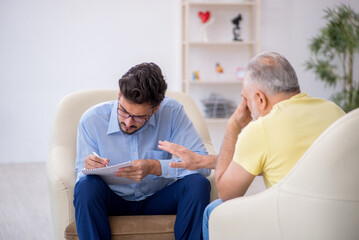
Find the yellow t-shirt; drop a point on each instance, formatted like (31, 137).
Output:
(273, 144)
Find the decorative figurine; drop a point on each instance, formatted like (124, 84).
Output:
(219, 68)
(240, 73)
(195, 76)
(206, 21)
(237, 30)
(219, 71)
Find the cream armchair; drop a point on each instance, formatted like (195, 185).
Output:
(318, 199)
(61, 169)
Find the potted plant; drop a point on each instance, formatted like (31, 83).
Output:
(333, 51)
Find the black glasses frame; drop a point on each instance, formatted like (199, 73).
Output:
(136, 118)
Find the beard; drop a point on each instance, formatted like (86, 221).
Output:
(254, 112)
(128, 131)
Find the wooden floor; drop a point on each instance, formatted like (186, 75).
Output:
(24, 201)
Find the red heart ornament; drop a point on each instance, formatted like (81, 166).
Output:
(204, 16)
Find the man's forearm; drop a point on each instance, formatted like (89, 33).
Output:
(227, 150)
(209, 161)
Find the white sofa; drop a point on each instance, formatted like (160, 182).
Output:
(61, 169)
(318, 199)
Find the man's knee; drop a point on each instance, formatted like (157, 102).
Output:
(211, 207)
(88, 189)
(197, 185)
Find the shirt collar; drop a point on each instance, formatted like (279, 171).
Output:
(299, 95)
(113, 125)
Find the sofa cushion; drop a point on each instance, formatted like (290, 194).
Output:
(135, 227)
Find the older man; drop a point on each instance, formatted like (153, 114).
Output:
(286, 122)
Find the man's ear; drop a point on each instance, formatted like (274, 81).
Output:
(156, 108)
(119, 94)
(261, 100)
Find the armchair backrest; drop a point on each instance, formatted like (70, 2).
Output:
(318, 199)
(62, 151)
(321, 192)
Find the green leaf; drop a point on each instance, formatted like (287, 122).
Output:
(331, 47)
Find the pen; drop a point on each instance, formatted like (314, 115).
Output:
(94, 153)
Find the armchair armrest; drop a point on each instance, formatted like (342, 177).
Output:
(240, 218)
(61, 178)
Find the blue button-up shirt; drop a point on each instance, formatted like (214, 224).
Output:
(99, 131)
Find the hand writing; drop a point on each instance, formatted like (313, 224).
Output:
(93, 161)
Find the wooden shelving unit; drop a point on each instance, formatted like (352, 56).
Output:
(202, 56)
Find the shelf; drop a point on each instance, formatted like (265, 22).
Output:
(215, 82)
(219, 4)
(221, 44)
(216, 120)
(201, 57)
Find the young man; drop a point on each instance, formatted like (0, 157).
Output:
(286, 123)
(129, 129)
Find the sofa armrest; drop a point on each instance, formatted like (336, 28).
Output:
(212, 180)
(241, 218)
(61, 178)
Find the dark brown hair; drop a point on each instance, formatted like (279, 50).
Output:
(143, 83)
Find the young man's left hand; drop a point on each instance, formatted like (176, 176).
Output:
(140, 168)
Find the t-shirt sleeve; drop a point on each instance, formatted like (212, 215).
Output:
(251, 148)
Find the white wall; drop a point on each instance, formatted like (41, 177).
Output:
(51, 48)
(287, 27)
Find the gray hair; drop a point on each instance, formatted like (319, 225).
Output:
(273, 73)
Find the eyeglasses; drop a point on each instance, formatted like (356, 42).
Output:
(138, 119)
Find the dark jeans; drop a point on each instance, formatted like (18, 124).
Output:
(94, 201)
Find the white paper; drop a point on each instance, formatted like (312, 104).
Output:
(107, 174)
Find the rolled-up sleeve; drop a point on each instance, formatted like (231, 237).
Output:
(185, 134)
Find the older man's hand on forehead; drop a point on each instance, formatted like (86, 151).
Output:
(241, 117)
